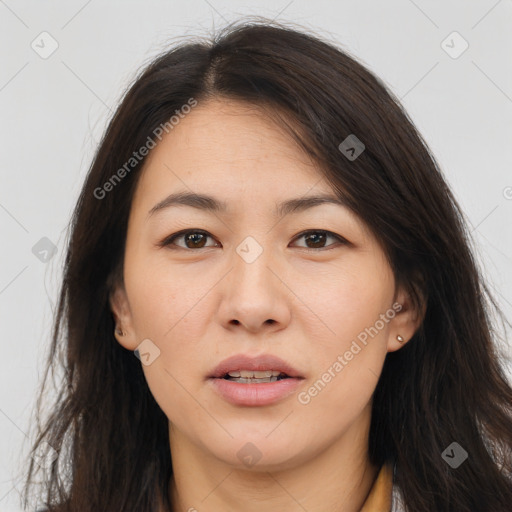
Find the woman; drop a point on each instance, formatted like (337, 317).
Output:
(266, 231)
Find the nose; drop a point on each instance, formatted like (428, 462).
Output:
(254, 295)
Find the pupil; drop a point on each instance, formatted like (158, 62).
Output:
(321, 236)
(192, 235)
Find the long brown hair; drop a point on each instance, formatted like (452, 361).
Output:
(447, 384)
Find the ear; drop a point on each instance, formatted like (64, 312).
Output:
(406, 321)
(120, 308)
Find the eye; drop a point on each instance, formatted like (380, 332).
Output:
(196, 239)
(318, 238)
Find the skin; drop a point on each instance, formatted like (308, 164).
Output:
(201, 305)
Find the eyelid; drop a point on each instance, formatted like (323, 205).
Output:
(171, 238)
(328, 233)
(167, 241)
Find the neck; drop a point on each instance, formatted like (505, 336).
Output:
(338, 479)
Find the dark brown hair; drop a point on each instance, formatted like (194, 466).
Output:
(446, 384)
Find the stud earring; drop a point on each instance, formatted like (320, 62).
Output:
(400, 339)
(120, 332)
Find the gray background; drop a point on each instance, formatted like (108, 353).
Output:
(54, 111)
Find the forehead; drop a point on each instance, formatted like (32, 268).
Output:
(230, 146)
(249, 164)
(232, 128)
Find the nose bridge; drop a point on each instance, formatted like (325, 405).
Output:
(251, 262)
(252, 295)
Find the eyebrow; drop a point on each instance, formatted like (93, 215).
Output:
(211, 204)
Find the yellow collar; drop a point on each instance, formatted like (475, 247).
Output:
(379, 498)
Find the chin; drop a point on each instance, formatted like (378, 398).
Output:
(261, 453)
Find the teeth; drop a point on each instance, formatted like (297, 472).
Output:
(260, 380)
(249, 374)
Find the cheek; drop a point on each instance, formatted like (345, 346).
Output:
(349, 299)
(164, 310)
(170, 308)
(347, 364)
(349, 356)
(174, 396)
(162, 297)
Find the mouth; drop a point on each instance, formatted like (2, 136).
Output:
(260, 380)
(255, 377)
(247, 369)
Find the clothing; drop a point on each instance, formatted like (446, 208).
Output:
(384, 496)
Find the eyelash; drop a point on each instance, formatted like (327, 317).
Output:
(170, 239)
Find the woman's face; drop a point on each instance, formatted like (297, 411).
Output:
(256, 280)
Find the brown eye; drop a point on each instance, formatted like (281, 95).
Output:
(196, 239)
(315, 239)
(193, 239)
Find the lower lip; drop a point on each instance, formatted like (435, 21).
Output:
(255, 394)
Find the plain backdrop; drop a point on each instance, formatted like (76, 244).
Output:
(54, 110)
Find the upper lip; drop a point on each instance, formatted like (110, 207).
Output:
(256, 363)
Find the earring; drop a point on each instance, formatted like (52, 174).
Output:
(120, 332)
(400, 339)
